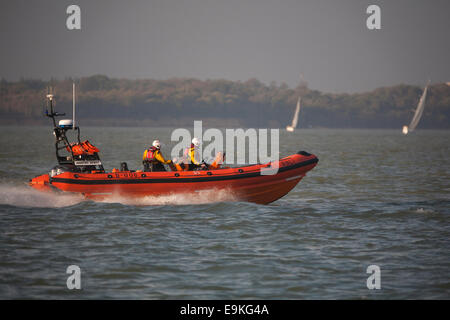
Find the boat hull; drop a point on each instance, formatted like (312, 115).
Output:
(254, 183)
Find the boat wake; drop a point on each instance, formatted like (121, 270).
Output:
(23, 196)
(203, 197)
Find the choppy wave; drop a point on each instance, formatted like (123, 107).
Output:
(423, 210)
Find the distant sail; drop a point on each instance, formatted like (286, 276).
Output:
(418, 114)
(295, 119)
(405, 130)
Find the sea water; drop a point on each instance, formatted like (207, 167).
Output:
(376, 197)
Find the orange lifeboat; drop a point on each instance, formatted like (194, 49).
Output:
(81, 171)
(254, 183)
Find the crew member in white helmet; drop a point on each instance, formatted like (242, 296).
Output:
(194, 155)
(153, 160)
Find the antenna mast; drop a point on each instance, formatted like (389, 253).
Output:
(73, 105)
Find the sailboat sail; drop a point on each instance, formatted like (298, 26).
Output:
(297, 110)
(295, 119)
(419, 111)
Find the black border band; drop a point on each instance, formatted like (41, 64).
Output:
(180, 179)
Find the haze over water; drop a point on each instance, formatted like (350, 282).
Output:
(376, 197)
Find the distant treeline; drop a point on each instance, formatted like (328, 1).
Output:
(179, 101)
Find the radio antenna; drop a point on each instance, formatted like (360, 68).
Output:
(73, 105)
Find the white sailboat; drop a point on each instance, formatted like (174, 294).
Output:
(418, 114)
(293, 125)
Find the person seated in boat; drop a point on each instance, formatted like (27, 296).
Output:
(194, 156)
(153, 159)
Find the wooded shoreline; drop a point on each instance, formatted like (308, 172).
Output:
(220, 103)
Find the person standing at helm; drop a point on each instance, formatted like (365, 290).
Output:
(153, 160)
(194, 155)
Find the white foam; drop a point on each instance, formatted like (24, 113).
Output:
(203, 197)
(422, 210)
(24, 196)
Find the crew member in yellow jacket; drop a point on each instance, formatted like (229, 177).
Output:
(153, 160)
(194, 155)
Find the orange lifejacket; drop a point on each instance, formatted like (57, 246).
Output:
(89, 147)
(84, 147)
(150, 156)
(77, 149)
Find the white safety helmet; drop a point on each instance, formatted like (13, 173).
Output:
(157, 144)
(196, 142)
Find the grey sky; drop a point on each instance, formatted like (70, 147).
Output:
(276, 40)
